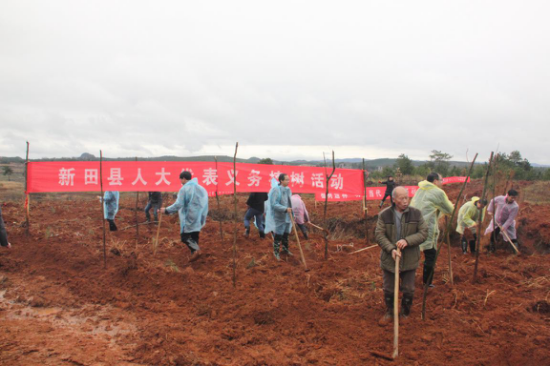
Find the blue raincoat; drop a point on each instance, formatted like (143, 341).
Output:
(110, 204)
(277, 218)
(192, 206)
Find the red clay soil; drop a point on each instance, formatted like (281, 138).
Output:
(60, 306)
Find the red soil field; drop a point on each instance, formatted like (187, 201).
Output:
(60, 306)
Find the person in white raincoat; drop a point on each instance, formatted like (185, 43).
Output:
(432, 201)
(110, 207)
(192, 207)
(505, 217)
(279, 209)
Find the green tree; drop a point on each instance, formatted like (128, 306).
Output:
(8, 171)
(266, 161)
(439, 161)
(404, 164)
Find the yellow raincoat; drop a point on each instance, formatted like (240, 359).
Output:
(468, 216)
(432, 201)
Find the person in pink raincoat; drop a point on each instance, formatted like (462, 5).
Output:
(505, 217)
(300, 213)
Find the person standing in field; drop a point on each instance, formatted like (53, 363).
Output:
(154, 202)
(300, 214)
(432, 201)
(192, 207)
(505, 216)
(279, 211)
(3, 234)
(110, 201)
(399, 227)
(468, 216)
(256, 203)
(390, 185)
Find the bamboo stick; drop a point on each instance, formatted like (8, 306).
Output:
(218, 200)
(508, 239)
(396, 307)
(27, 196)
(448, 238)
(235, 218)
(298, 241)
(326, 199)
(136, 215)
(367, 248)
(365, 208)
(102, 207)
(483, 195)
(156, 243)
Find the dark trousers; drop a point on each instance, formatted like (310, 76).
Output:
(429, 264)
(303, 229)
(407, 282)
(191, 240)
(155, 207)
(386, 196)
(259, 215)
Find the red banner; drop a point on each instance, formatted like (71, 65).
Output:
(373, 194)
(450, 180)
(131, 176)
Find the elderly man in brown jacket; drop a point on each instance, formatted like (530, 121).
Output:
(403, 227)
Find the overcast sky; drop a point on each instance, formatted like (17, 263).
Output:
(286, 79)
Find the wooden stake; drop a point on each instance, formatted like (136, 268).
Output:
(235, 217)
(326, 199)
(483, 195)
(508, 239)
(396, 307)
(365, 208)
(298, 240)
(448, 238)
(136, 215)
(218, 199)
(27, 196)
(102, 207)
(367, 248)
(156, 244)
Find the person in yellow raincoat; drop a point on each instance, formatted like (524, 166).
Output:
(432, 201)
(468, 216)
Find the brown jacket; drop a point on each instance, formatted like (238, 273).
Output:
(413, 229)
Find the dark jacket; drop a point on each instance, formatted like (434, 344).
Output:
(413, 229)
(155, 197)
(256, 200)
(390, 185)
(3, 234)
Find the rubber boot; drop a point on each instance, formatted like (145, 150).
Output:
(285, 244)
(262, 234)
(426, 274)
(246, 232)
(112, 225)
(406, 303)
(276, 245)
(464, 245)
(472, 246)
(388, 315)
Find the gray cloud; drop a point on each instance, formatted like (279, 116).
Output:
(137, 78)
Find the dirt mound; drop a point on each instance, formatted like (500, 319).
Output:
(66, 299)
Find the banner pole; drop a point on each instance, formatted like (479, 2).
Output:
(235, 218)
(136, 214)
(102, 207)
(27, 196)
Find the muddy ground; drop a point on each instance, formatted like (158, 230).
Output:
(59, 305)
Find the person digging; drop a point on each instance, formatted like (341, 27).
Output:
(468, 216)
(403, 227)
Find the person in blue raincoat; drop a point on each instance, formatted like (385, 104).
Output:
(110, 207)
(192, 207)
(279, 209)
